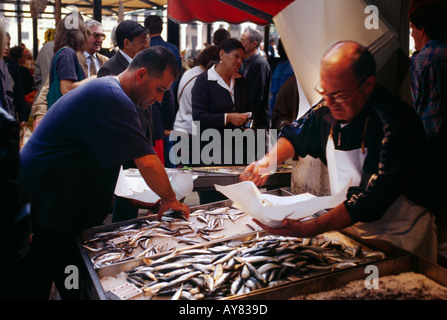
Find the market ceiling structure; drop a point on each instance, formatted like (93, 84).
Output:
(110, 7)
(180, 11)
(259, 12)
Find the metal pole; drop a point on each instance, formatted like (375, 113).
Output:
(97, 10)
(19, 21)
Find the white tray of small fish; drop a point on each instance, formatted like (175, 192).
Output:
(143, 238)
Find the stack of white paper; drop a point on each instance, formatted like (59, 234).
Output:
(270, 209)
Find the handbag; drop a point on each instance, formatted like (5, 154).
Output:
(54, 93)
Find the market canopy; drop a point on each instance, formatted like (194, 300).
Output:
(231, 11)
(87, 7)
(111, 7)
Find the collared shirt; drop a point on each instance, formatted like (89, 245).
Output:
(428, 76)
(88, 61)
(214, 76)
(129, 59)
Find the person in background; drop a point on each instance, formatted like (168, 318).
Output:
(220, 101)
(65, 72)
(131, 38)
(282, 70)
(43, 60)
(183, 125)
(15, 210)
(41, 77)
(372, 145)
(91, 60)
(220, 35)
(6, 92)
(256, 71)
(164, 113)
(23, 83)
(154, 24)
(84, 155)
(271, 51)
(428, 80)
(287, 104)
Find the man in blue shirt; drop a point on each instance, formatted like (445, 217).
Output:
(70, 165)
(428, 74)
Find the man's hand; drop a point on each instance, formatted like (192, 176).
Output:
(237, 119)
(36, 121)
(335, 219)
(154, 174)
(291, 228)
(258, 172)
(174, 205)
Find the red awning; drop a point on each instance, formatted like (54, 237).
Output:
(208, 11)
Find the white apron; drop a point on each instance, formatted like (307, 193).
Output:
(404, 224)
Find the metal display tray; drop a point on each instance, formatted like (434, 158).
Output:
(400, 261)
(89, 275)
(396, 261)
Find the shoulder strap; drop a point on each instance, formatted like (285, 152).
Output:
(181, 92)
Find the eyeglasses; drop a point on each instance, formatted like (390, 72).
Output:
(338, 97)
(98, 35)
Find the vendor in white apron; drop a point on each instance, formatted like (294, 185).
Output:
(369, 143)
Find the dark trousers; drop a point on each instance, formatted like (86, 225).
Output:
(123, 210)
(47, 260)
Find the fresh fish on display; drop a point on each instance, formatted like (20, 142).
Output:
(138, 240)
(232, 267)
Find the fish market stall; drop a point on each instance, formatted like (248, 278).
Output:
(236, 268)
(219, 253)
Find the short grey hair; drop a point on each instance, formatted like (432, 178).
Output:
(254, 35)
(92, 22)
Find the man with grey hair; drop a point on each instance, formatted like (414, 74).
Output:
(256, 71)
(91, 60)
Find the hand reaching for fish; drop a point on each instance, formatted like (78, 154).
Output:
(174, 205)
(289, 228)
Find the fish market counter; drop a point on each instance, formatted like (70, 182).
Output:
(219, 253)
(207, 177)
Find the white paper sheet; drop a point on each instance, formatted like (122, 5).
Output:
(309, 27)
(270, 209)
(131, 185)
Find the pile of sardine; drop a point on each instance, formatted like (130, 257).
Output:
(138, 240)
(238, 267)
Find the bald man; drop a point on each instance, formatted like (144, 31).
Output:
(370, 143)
